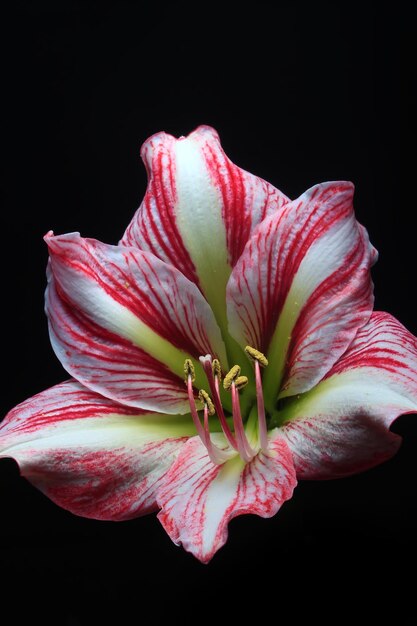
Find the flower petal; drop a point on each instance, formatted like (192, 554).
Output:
(199, 209)
(302, 287)
(91, 456)
(341, 426)
(122, 322)
(198, 498)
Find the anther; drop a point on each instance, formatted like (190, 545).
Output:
(189, 370)
(255, 355)
(231, 377)
(217, 370)
(241, 381)
(205, 399)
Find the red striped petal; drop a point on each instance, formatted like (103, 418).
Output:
(342, 426)
(89, 455)
(302, 287)
(199, 209)
(198, 498)
(122, 322)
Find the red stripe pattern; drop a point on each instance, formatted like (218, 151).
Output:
(64, 402)
(245, 200)
(90, 286)
(198, 499)
(110, 364)
(314, 252)
(342, 427)
(334, 446)
(154, 227)
(80, 450)
(386, 349)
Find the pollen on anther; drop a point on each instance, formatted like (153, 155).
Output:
(205, 399)
(241, 381)
(189, 370)
(231, 377)
(256, 355)
(217, 370)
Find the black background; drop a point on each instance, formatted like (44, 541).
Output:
(300, 94)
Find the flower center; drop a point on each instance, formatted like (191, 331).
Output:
(237, 440)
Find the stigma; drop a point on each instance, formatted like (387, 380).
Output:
(237, 441)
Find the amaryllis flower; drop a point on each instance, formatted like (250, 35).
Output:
(226, 347)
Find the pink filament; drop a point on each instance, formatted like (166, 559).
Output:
(243, 446)
(263, 431)
(194, 413)
(216, 455)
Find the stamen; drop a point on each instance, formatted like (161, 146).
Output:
(189, 370)
(231, 377)
(213, 380)
(259, 359)
(217, 370)
(241, 381)
(263, 430)
(243, 446)
(205, 399)
(233, 381)
(216, 455)
(194, 413)
(256, 356)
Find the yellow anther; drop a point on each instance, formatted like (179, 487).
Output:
(255, 355)
(217, 370)
(241, 381)
(231, 377)
(189, 370)
(205, 399)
